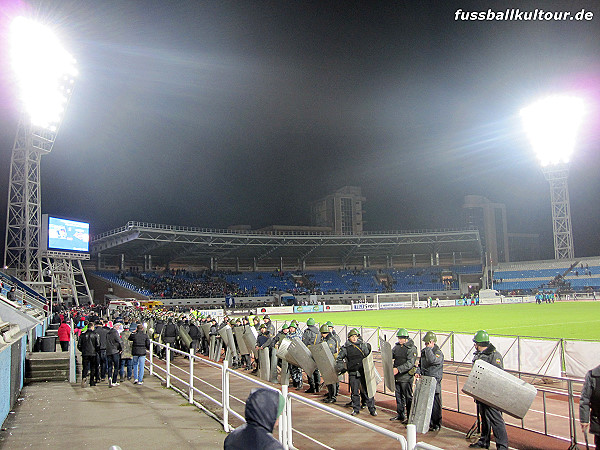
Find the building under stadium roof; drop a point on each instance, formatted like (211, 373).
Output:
(151, 246)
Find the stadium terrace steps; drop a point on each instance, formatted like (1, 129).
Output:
(47, 366)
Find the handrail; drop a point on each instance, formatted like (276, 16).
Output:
(285, 427)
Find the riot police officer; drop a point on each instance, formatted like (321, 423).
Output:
(352, 354)
(431, 364)
(404, 355)
(491, 418)
(311, 336)
(334, 347)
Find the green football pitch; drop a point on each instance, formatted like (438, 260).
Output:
(569, 320)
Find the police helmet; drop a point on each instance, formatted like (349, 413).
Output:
(430, 336)
(402, 333)
(481, 337)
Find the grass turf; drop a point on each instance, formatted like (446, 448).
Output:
(569, 320)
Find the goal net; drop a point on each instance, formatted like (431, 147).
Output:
(394, 300)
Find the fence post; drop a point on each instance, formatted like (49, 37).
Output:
(225, 395)
(411, 436)
(151, 357)
(283, 419)
(191, 387)
(168, 365)
(72, 361)
(288, 427)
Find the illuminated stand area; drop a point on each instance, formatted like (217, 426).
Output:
(552, 125)
(44, 72)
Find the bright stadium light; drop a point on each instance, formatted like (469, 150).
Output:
(44, 70)
(552, 124)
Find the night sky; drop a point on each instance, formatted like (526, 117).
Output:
(218, 113)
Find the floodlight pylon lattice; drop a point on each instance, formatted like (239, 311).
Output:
(557, 176)
(34, 139)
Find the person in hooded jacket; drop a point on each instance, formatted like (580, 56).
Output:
(404, 355)
(263, 407)
(589, 405)
(89, 345)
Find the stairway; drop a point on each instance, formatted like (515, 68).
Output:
(47, 366)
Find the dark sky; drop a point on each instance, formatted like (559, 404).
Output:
(230, 112)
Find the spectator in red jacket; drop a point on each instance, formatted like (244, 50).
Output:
(64, 336)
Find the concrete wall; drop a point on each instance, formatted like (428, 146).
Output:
(12, 373)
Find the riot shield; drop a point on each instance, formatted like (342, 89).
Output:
(239, 337)
(273, 373)
(301, 354)
(284, 354)
(325, 362)
(184, 338)
(211, 347)
(370, 376)
(387, 361)
(250, 335)
(206, 328)
(217, 349)
(264, 364)
(499, 389)
(284, 376)
(420, 412)
(227, 337)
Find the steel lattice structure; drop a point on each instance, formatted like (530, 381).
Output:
(24, 211)
(557, 176)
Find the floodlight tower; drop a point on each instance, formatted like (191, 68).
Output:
(45, 73)
(552, 124)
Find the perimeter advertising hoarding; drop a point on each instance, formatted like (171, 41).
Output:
(308, 309)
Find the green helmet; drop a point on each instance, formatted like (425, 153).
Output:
(353, 332)
(262, 326)
(294, 324)
(481, 336)
(266, 316)
(285, 326)
(328, 323)
(402, 332)
(310, 321)
(324, 328)
(430, 336)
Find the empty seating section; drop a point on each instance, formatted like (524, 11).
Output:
(184, 284)
(578, 275)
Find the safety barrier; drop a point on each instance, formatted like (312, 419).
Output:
(285, 428)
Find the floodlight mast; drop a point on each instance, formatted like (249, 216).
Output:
(552, 124)
(45, 74)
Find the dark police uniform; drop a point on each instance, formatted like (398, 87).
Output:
(432, 365)
(354, 354)
(405, 358)
(491, 418)
(589, 404)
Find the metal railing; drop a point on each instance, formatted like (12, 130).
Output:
(285, 428)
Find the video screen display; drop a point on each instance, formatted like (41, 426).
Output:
(68, 235)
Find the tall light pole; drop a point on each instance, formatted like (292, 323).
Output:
(45, 73)
(552, 124)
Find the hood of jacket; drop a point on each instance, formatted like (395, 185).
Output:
(262, 407)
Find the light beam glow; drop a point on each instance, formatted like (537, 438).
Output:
(45, 72)
(552, 124)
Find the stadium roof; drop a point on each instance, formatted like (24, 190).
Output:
(241, 248)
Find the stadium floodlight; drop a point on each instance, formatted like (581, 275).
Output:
(552, 124)
(44, 71)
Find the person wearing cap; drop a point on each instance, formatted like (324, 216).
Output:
(269, 324)
(491, 418)
(311, 336)
(262, 341)
(285, 329)
(350, 359)
(263, 408)
(404, 355)
(431, 364)
(295, 371)
(334, 347)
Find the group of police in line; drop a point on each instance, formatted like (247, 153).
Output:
(349, 358)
